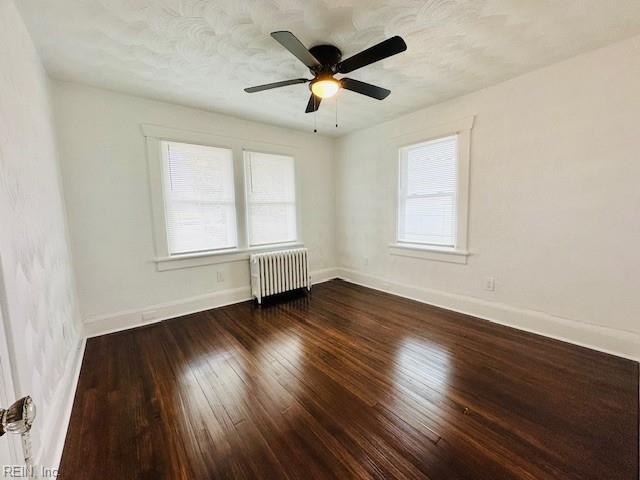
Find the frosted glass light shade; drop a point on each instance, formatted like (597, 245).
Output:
(325, 88)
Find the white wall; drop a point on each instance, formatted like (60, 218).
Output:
(37, 292)
(554, 203)
(108, 201)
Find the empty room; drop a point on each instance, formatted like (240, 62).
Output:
(296, 239)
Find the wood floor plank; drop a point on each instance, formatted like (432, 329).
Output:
(348, 383)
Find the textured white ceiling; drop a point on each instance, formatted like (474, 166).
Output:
(204, 52)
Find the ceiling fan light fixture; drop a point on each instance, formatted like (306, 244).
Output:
(325, 88)
(324, 61)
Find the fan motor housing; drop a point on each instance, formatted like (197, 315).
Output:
(328, 56)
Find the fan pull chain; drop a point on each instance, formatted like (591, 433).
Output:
(315, 115)
(336, 111)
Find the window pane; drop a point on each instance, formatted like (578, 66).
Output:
(429, 220)
(272, 178)
(197, 227)
(199, 198)
(427, 206)
(431, 168)
(271, 208)
(272, 223)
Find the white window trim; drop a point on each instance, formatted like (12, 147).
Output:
(459, 253)
(154, 135)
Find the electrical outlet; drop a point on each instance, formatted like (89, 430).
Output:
(490, 284)
(219, 277)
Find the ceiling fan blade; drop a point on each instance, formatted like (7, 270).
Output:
(289, 41)
(378, 52)
(364, 88)
(313, 104)
(269, 86)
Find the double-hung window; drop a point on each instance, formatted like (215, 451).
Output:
(427, 213)
(433, 192)
(271, 198)
(199, 198)
(217, 199)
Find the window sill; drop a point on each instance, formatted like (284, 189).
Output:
(189, 260)
(438, 254)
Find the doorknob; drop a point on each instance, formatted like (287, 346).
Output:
(18, 419)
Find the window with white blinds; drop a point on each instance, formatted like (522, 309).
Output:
(271, 198)
(427, 204)
(199, 198)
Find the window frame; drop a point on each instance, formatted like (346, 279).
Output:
(154, 135)
(457, 253)
(245, 159)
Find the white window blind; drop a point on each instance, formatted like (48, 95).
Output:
(199, 198)
(427, 204)
(271, 198)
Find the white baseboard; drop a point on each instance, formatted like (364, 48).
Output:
(55, 430)
(156, 313)
(616, 342)
(320, 276)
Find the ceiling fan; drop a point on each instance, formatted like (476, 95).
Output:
(324, 61)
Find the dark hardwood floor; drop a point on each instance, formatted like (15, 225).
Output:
(348, 383)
